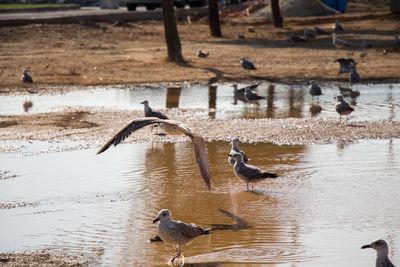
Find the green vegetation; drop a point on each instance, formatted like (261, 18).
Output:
(4, 6)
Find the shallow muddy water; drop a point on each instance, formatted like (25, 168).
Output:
(376, 101)
(328, 201)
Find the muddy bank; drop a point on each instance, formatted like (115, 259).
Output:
(96, 126)
(41, 258)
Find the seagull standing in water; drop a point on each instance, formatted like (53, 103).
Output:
(382, 251)
(315, 90)
(354, 77)
(342, 107)
(339, 43)
(170, 127)
(177, 233)
(250, 96)
(248, 173)
(247, 64)
(26, 78)
(235, 149)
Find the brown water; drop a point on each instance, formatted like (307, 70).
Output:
(328, 201)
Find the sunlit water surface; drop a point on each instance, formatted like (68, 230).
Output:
(328, 201)
(376, 101)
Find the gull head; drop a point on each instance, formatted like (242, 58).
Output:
(334, 35)
(236, 156)
(379, 245)
(25, 71)
(145, 102)
(339, 97)
(163, 215)
(234, 86)
(312, 82)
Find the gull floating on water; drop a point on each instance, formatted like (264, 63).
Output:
(148, 112)
(315, 90)
(26, 78)
(170, 127)
(308, 33)
(201, 53)
(320, 31)
(342, 107)
(248, 173)
(382, 250)
(235, 149)
(344, 64)
(249, 95)
(177, 233)
(339, 43)
(338, 27)
(247, 64)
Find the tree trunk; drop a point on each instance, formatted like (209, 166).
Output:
(214, 18)
(171, 31)
(276, 13)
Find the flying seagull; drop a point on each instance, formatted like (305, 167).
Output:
(26, 78)
(381, 247)
(177, 233)
(201, 53)
(247, 64)
(315, 90)
(342, 107)
(248, 173)
(148, 112)
(170, 127)
(345, 64)
(339, 43)
(235, 149)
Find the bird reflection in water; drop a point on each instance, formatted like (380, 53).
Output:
(212, 101)
(315, 110)
(27, 105)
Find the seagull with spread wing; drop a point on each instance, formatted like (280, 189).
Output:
(170, 127)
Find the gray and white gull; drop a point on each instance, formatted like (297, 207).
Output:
(177, 233)
(26, 78)
(382, 251)
(339, 43)
(248, 173)
(247, 64)
(235, 149)
(171, 127)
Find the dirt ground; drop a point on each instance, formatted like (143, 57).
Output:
(67, 57)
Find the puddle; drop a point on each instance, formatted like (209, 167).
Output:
(328, 201)
(376, 101)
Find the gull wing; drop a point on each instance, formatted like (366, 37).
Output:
(188, 230)
(131, 127)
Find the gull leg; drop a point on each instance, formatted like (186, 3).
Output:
(247, 185)
(178, 254)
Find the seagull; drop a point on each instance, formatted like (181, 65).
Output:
(235, 149)
(249, 95)
(239, 93)
(320, 31)
(381, 247)
(396, 41)
(338, 27)
(247, 64)
(177, 233)
(248, 173)
(201, 53)
(148, 112)
(308, 33)
(339, 43)
(342, 107)
(315, 90)
(239, 36)
(365, 44)
(170, 127)
(26, 78)
(295, 39)
(345, 64)
(354, 77)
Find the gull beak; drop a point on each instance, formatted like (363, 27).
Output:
(156, 220)
(365, 246)
(229, 155)
(142, 102)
